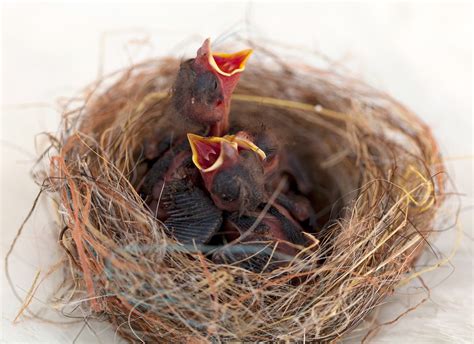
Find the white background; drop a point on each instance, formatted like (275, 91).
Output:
(420, 53)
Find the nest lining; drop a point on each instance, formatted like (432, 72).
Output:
(376, 171)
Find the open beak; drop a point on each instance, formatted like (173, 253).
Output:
(229, 64)
(208, 152)
(227, 69)
(225, 64)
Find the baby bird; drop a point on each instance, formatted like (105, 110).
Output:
(232, 168)
(204, 85)
(200, 97)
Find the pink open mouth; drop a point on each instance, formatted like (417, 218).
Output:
(206, 152)
(229, 64)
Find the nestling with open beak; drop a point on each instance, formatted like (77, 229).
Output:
(232, 168)
(200, 97)
(232, 171)
(204, 85)
(240, 174)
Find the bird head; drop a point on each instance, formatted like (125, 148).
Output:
(204, 86)
(232, 170)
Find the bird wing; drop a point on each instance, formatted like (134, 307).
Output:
(193, 217)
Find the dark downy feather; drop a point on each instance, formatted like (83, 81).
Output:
(192, 215)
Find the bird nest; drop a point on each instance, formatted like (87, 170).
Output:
(375, 170)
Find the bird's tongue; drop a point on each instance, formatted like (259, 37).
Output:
(207, 153)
